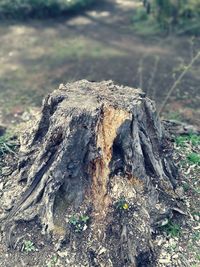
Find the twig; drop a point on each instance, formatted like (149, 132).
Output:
(192, 47)
(177, 82)
(140, 71)
(153, 74)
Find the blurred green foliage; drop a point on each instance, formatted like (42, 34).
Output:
(194, 158)
(39, 8)
(181, 16)
(170, 13)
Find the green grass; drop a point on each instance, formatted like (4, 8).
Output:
(182, 140)
(172, 229)
(144, 24)
(194, 158)
(80, 223)
(8, 144)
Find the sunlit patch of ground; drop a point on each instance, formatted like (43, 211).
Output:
(127, 4)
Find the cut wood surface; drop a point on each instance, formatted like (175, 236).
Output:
(92, 146)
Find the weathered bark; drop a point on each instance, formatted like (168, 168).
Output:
(92, 144)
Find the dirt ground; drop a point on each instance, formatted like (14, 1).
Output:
(100, 44)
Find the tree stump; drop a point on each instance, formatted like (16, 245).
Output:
(99, 151)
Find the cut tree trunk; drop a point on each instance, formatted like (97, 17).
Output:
(96, 149)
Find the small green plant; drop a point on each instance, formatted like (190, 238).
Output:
(194, 139)
(28, 246)
(7, 144)
(79, 224)
(53, 261)
(172, 229)
(194, 158)
(181, 140)
(122, 204)
(84, 218)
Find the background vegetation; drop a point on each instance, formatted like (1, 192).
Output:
(170, 15)
(39, 8)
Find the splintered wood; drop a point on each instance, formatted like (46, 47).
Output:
(110, 121)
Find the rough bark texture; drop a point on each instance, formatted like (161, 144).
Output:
(93, 144)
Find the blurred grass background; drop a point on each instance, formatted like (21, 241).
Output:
(167, 16)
